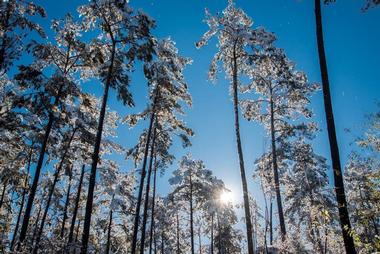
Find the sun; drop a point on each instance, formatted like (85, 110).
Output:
(226, 197)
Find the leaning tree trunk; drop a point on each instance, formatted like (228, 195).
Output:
(66, 203)
(153, 206)
(146, 202)
(240, 153)
(37, 172)
(271, 223)
(143, 172)
(162, 242)
(5, 185)
(334, 150)
(51, 192)
(95, 155)
(26, 185)
(191, 217)
(275, 170)
(108, 246)
(76, 206)
(177, 234)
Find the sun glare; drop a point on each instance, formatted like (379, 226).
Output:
(226, 197)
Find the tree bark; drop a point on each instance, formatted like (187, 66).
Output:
(66, 203)
(109, 233)
(162, 242)
(143, 172)
(76, 236)
(95, 155)
(146, 202)
(275, 170)
(5, 185)
(219, 235)
(177, 233)
(37, 172)
(200, 240)
(76, 206)
(212, 234)
(26, 185)
(153, 206)
(271, 223)
(51, 192)
(240, 153)
(334, 150)
(191, 217)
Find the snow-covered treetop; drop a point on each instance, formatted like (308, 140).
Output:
(276, 82)
(15, 18)
(233, 29)
(168, 92)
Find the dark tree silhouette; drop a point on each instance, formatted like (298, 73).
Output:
(334, 149)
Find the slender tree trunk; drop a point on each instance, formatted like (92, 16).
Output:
(42, 224)
(212, 234)
(5, 185)
(315, 234)
(26, 186)
(375, 226)
(266, 219)
(275, 170)
(37, 172)
(325, 244)
(177, 233)
(95, 155)
(200, 240)
(271, 224)
(143, 172)
(36, 225)
(76, 206)
(155, 242)
(219, 236)
(77, 231)
(240, 153)
(334, 150)
(153, 206)
(66, 203)
(76, 236)
(146, 202)
(162, 242)
(51, 192)
(109, 233)
(191, 217)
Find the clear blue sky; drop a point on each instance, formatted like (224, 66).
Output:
(352, 41)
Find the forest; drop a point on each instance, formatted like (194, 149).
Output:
(97, 134)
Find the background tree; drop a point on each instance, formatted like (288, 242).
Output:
(234, 33)
(125, 37)
(361, 178)
(168, 89)
(283, 95)
(51, 92)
